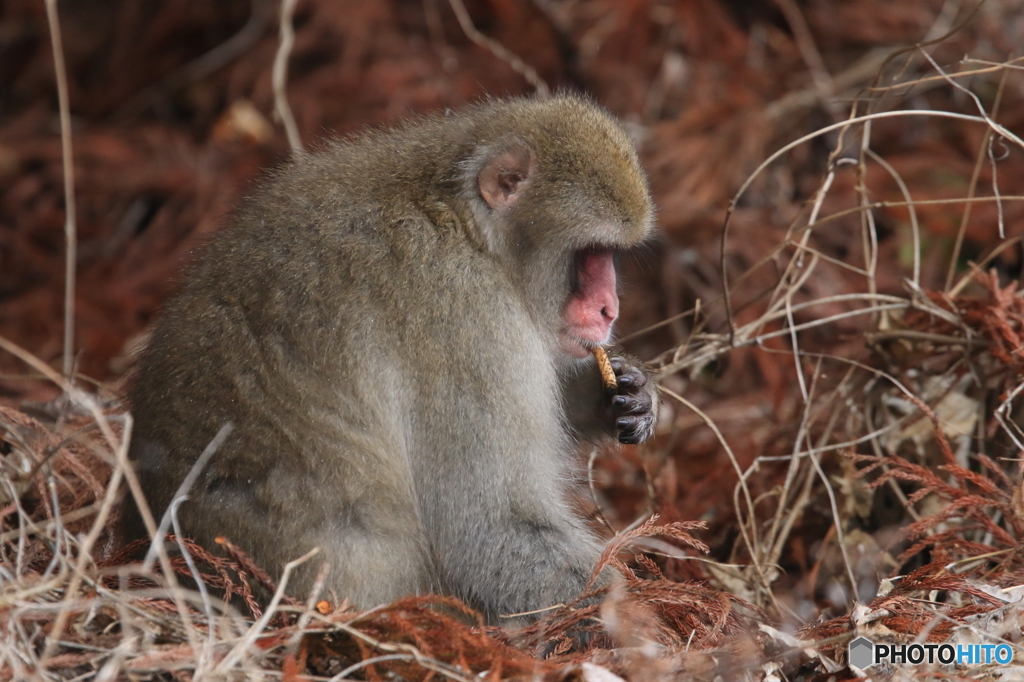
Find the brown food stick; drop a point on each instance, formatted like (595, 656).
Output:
(604, 365)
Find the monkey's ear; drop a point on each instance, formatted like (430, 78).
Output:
(504, 177)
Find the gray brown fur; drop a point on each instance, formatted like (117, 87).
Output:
(385, 346)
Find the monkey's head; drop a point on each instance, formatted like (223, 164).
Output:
(557, 192)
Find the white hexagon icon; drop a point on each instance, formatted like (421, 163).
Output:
(861, 653)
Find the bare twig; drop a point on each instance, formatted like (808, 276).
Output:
(280, 77)
(182, 492)
(84, 556)
(119, 446)
(749, 534)
(972, 187)
(499, 50)
(70, 231)
(206, 64)
(244, 646)
(809, 52)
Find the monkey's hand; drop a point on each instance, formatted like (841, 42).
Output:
(632, 407)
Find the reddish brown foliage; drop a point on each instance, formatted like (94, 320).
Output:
(162, 154)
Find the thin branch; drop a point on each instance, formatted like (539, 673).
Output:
(752, 545)
(279, 77)
(84, 556)
(181, 494)
(915, 228)
(70, 231)
(245, 644)
(204, 65)
(499, 50)
(973, 186)
(820, 76)
(119, 446)
(724, 240)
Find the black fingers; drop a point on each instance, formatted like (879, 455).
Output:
(632, 403)
(635, 429)
(632, 406)
(628, 376)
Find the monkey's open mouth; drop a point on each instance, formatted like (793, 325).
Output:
(593, 305)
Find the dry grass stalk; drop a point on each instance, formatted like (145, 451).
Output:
(70, 230)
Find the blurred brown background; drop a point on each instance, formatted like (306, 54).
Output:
(172, 109)
(172, 118)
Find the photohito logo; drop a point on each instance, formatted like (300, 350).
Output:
(862, 652)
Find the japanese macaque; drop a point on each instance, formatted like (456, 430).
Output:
(399, 328)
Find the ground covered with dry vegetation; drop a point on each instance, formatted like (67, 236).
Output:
(832, 304)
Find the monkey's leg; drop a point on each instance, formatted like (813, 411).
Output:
(371, 560)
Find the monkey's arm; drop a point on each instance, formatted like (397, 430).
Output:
(627, 414)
